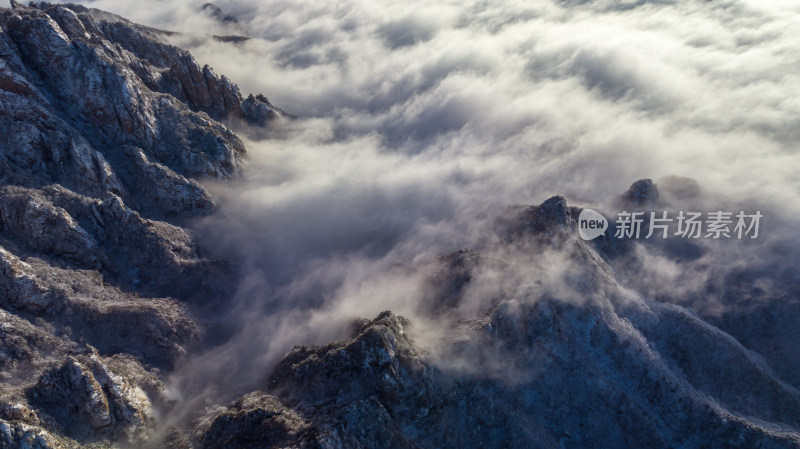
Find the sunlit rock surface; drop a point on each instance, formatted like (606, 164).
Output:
(105, 130)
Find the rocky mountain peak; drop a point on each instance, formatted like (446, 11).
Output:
(643, 192)
(105, 131)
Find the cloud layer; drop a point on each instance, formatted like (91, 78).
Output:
(420, 121)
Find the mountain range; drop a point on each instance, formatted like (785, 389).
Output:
(108, 137)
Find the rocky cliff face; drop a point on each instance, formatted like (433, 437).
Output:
(105, 130)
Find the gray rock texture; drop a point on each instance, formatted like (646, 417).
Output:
(584, 365)
(643, 192)
(105, 129)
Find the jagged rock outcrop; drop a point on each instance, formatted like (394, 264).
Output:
(18, 435)
(105, 235)
(216, 12)
(449, 276)
(20, 288)
(105, 129)
(256, 420)
(28, 217)
(113, 84)
(378, 361)
(643, 192)
(567, 364)
(576, 360)
(164, 188)
(87, 397)
(553, 221)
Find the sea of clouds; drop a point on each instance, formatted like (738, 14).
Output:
(420, 121)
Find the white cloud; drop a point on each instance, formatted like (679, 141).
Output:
(420, 117)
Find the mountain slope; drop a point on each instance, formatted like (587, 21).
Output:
(104, 126)
(587, 364)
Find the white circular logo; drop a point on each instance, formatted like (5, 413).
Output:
(591, 224)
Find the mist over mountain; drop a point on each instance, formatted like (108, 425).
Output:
(386, 252)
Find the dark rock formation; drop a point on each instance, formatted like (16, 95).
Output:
(88, 397)
(104, 128)
(643, 192)
(114, 85)
(587, 376)
(216, 12)
(584, 364)
(257, 420)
